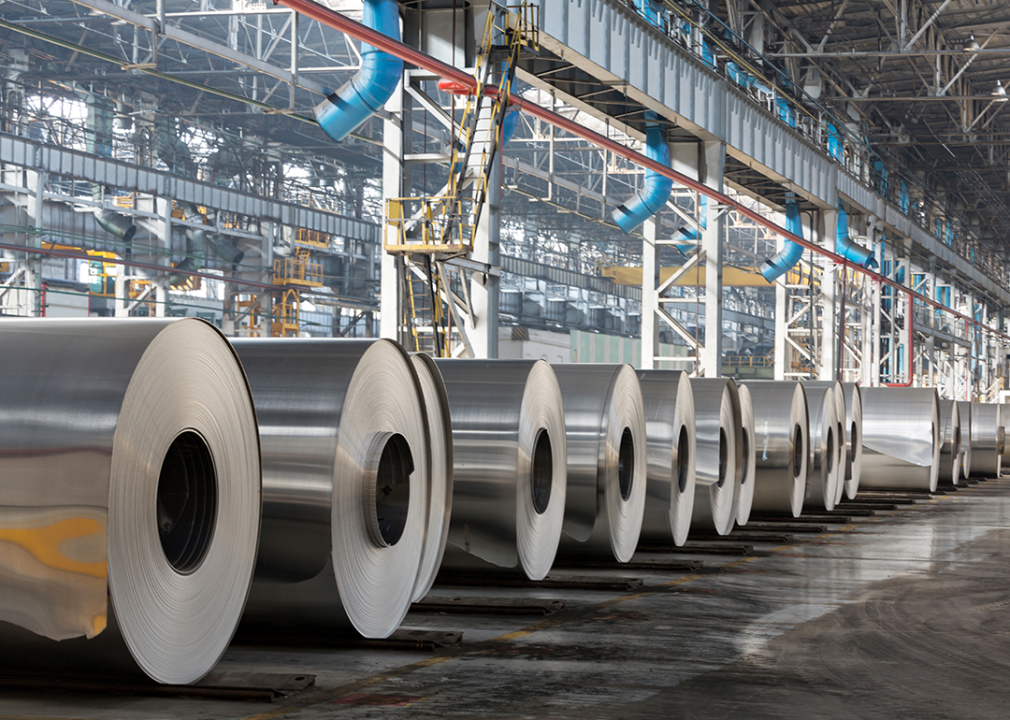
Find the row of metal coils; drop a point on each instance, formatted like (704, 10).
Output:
(159, 485)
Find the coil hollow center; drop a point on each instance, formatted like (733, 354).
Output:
(723, 456)
(683, 459)
(626, 463)
(854, 442)
(387, 488)
(797, 450)
(829, 449)
(542, 472)
(186, 501)
(744, 477)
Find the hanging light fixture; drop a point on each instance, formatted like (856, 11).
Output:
(972, 44)
(999, 92)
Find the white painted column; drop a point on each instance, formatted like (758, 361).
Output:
(650, 298)
(830, 307)
(485, 289)
(711, 242)
(392, 187)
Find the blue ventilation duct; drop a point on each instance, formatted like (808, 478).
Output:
(656, 192)
(365, 94)
(774, 268)
(845, 247)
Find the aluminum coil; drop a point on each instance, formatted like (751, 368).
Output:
(964, 414)
(901, 438)
(745, 490)
(1005, 422)
(853, 438)
(719, 428)
(345, 484)
(607, 461)
(781, 434)
(825, 481)
(987, 440)
(436, 405)
(950, 449)
(131, 496)
(509, 464)
(672, 449)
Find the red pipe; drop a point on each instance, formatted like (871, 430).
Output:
(394, 47)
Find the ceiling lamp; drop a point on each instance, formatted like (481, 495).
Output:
(972, 44)
(999, 92)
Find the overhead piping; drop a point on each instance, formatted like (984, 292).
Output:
(335, 20)
(653, 196)
(846, 247)
(773, 268)
(364, 94)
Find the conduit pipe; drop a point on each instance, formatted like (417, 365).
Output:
(847, 248)
(653, 196)
(774, 268)
(363, 95)
(335, 20)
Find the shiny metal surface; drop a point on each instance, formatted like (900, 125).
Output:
(964, 415)
(827, 445)
(901, 438)
(745, 490)
(672, 449)
(436, 404)
(607, 459)
(950, 449)
(333, 415)
(509, 447)
(1005, 423)
(781, 431)
(719, 428)
(987, 440)
(853, 438)
(93, 493)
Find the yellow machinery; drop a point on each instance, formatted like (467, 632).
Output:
(296, 270)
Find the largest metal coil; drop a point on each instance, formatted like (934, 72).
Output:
(987, 440)
(509, 487)
(853, 438)
(719, 457)
(781, 432)
(345, 484)
(130, 502)
(964, 413)
(950, 449)
(606, 475)
(901, 438)
(672, 449)
(825, 479)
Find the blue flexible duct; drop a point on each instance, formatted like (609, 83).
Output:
(848, 249)
(774, 268)
(656, 192)
(365, 93)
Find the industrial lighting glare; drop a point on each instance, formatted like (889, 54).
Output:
(999, 92)
(972, 44)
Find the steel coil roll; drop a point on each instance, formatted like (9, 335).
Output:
(853, 438)
(745, 489)
(827, 445)
(606, 474)
(1004, 423)
(672, 449)
(987, 440)
(436, 404)
(964, 414)
(509, 463)
(950, 448)
(901, 438)
(130, 503)
(781, 436)
(345, 484)
(719, 427)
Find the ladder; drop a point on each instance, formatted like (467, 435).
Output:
(429, 231)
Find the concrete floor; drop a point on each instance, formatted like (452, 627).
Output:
(904, 615)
